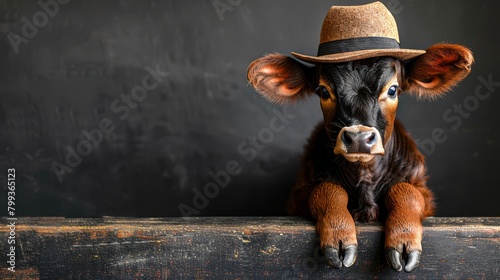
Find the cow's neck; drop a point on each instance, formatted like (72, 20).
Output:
(366, 182)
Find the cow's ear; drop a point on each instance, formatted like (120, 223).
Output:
(438, 70)
(281, 79)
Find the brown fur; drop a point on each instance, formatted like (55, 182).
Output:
(279, 78)
(441, 68)
(391, 187)
(403, 163)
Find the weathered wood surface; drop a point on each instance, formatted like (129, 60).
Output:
(235, 248)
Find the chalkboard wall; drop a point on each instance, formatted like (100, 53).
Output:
(142, 108)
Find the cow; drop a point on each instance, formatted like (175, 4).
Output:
(360, 164)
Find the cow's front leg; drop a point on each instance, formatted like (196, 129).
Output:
(334, 224)
(406, 206)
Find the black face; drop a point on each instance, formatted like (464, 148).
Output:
(359, 101)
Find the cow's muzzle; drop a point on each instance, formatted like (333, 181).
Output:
(359, 143)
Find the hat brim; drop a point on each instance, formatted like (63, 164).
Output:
(401, 54)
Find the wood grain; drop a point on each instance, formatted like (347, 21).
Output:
(235, 248)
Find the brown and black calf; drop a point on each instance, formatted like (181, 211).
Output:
(360, 164)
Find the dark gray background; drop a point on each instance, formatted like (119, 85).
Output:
(65, 78)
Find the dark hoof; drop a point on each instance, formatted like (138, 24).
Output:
(350, 254)
(395, 259)
(412, 261)
(334, 258)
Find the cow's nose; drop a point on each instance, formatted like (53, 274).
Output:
(359, 142)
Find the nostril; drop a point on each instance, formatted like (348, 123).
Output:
(370, 140)
(359, 140)
(346, 138)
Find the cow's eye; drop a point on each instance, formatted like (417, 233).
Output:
(393, 91)
(322, 92)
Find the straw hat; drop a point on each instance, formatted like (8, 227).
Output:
(358, 32)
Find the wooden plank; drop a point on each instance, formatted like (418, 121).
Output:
(235, 248)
